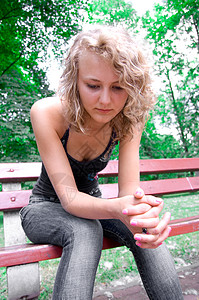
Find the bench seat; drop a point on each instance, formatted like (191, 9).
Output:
(29, 253)
(21, 259)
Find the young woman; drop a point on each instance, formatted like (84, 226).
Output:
(104, 98)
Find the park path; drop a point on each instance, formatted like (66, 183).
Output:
(189, 279)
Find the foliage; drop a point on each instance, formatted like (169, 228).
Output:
(112, 13)
(17, 96)
(157, 145)
(174, 35)
(172, 107)
(27, 29)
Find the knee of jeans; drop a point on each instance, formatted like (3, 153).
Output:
(88, 234)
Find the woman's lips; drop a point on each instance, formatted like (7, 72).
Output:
(104, 111)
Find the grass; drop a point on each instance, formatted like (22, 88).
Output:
(117, 265)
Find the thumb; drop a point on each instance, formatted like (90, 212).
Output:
(139, 193)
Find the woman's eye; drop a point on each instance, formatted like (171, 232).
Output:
(117, 88)
(92, 86)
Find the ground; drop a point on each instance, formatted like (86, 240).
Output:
(189, 279)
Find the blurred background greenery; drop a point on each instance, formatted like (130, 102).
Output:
(34, 36)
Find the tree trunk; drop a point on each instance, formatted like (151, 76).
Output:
(177, 115)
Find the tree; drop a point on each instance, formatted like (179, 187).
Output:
(27, 28)
(112, 12)
(17, 96)
(153, 144)
(173, 33)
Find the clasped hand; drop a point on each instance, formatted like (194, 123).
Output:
(143, 212)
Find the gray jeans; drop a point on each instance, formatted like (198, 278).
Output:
(45, 221)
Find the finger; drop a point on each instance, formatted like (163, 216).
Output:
(151, 200)
(154, 233)
(147, 246)
(162, 237)
(146, 239)
(153, 212)
(144, 223)
(152, 242)
(162, 224)
(139, 193)
(136, 209)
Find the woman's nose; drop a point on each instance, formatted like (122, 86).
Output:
(105, 96)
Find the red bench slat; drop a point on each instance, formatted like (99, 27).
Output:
(171, 165)
(19, 172)
(157, 187)
(170, 186)
(14, 199)
(18, 199)
(186, 225)
(29, 253)
(156, 166)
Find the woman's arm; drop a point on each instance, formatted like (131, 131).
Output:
(129, 174)
(141, 215)
(49, 126)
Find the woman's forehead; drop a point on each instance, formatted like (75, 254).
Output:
(94, 66)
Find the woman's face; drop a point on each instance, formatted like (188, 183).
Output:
(100, 92)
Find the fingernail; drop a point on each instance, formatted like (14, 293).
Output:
(138, 244)
(160, 244)
(125, 211)
(137, 238)
(139, 193)
(134, 223)
(169, 229)
(158, 200)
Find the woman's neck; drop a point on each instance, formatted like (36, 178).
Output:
(93, 129)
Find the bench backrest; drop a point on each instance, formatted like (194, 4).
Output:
(23, 172)
(22, 259)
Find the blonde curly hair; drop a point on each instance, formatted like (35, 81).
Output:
(117, 47)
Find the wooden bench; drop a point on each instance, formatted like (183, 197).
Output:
(21, 259)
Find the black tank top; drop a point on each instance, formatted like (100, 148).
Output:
(84, 172)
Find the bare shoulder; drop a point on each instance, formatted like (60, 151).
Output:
(46, 105)
(48, 113)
